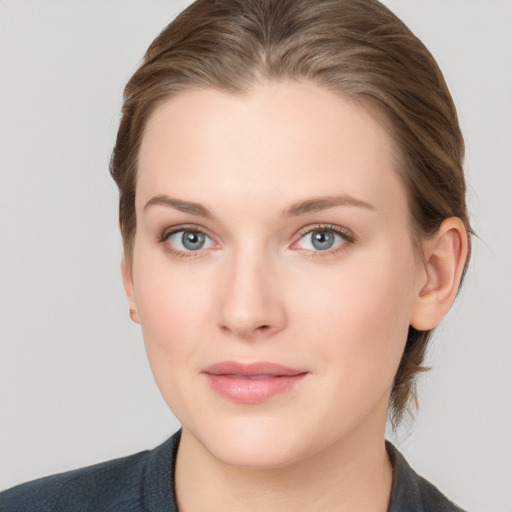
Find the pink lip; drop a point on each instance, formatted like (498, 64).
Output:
(251, 383)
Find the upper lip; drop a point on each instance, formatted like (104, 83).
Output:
(251, 369)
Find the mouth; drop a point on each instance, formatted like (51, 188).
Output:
(252, 383)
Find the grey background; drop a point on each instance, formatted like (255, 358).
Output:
(75, 385)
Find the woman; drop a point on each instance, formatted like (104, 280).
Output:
(292, 206)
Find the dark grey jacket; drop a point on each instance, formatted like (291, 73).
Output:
(141, 483)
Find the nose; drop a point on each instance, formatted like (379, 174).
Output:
(252, 304)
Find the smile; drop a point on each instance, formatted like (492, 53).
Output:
(253, 383)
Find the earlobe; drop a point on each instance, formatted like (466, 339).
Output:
(445, 255)
(126, 272)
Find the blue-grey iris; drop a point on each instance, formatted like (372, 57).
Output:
(322, 240)
(192, 240)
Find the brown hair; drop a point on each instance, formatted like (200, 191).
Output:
(357, 48)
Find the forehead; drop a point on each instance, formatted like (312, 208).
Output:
(296, 139)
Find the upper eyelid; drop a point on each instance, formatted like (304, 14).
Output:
(186, 227)
(342, 231)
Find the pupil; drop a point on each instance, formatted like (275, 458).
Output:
(192, 240)
(322, 240)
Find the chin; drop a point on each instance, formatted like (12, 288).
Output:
(256, 450)
(258, 442)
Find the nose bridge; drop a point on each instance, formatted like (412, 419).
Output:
(252, 302)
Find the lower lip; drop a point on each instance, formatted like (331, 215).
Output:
(252, 391)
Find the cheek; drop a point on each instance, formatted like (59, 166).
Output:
(172, 306)
(172, 310)
(359, 316)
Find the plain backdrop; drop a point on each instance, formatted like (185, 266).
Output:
(75, 385)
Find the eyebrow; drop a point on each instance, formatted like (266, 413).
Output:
(316, 204)
(180, 205)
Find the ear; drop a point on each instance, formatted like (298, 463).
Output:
(126, 272)
(444, 257)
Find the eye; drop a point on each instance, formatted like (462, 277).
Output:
(323, 239)
(188, 240)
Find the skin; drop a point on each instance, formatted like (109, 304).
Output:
(259, 290)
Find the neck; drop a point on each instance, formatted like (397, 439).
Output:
(352, 474)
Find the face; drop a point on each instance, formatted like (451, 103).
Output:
(273, 270)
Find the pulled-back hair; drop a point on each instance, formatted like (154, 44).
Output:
(357, 48)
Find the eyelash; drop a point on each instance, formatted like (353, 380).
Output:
(347, 235)
(166, 234)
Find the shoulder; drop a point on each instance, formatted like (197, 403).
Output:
(81, 489)
(411, 492)
(116, 485)
(432, 498)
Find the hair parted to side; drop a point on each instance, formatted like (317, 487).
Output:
(357, 48)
